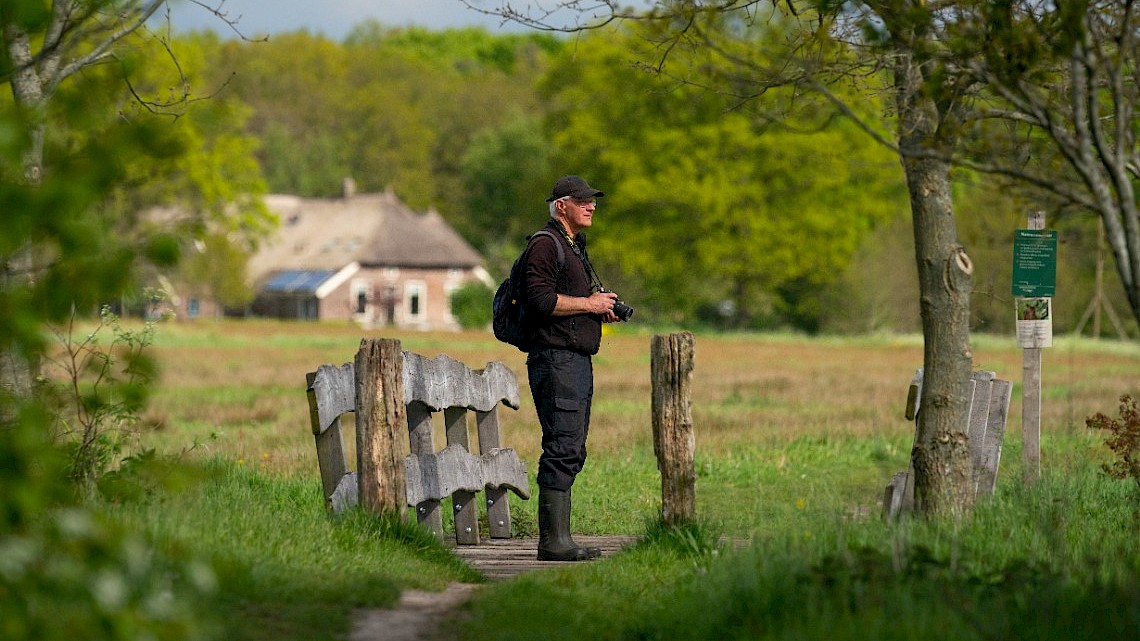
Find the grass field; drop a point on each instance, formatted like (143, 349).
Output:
(796, 438)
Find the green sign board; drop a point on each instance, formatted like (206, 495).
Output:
(1035, 263)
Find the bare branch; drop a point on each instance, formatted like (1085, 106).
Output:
(129, 24)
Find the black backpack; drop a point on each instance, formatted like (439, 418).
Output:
(507, 309)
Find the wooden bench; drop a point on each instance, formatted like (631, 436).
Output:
(987, 414)
(429, 387)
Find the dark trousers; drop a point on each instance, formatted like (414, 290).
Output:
(562, 385)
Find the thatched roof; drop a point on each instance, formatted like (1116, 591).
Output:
(374, 230)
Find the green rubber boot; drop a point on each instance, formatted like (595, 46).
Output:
(554, 541)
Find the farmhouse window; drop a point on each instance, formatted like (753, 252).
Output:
(414, 294)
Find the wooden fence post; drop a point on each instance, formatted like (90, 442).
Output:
(671, 362)
(1031, 394)
(381, 428)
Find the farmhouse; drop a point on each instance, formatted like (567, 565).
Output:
(366, 258)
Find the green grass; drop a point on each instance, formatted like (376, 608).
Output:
(1057, 561)
(796, 439)
(285, 569)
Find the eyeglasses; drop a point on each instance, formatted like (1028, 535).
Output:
(581, 202)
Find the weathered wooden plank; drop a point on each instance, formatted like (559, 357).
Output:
(329, 441)
(426, 386)
(346, 495)
(463, 501)
(995, 433)
(985, 421)
(444, 382)
(979, 416)
(454, 469)
(894, 495)
(421, 439)
(334, 389)
(1031, 414)
(421, 432)
(674, 443)
(381, 428)
(495, 497)
(505, 558)
(914, 395)
(1031, 393)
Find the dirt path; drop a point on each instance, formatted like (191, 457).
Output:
(417, 615)
(415, 618)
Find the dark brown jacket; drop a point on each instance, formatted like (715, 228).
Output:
(581, 333)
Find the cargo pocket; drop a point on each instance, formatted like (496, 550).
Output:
(567, 403)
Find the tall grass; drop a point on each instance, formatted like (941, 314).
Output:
(796, 438)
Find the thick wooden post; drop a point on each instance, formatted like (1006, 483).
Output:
(381, 432)
(671, 362)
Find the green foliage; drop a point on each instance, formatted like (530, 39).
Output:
(66, 571)
(215, 266)
(1124, 440)
(214, 177)
(471, 305)
(72, 574)
(714, 209)
(389, 108)
(100, 390)
(698, 541)
(506, 171)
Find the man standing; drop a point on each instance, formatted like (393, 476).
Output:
(567, 316)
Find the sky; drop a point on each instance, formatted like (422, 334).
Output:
(331, 18)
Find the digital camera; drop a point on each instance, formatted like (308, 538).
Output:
(621, 310)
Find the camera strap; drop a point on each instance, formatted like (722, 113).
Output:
(580, 251)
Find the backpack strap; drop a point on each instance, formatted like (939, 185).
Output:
(557, 245)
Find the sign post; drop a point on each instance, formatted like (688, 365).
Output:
(1034, 285)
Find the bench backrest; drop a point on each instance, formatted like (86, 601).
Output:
(430, 386)
(987, 414)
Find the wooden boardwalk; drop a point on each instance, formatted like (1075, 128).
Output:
(500, 559)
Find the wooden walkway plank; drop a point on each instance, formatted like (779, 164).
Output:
(500, 559)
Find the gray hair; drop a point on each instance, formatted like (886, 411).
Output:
(554, 207)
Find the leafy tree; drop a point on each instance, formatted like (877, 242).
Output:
(506, 171)
(215, 268)
(712, 213)
(397, 108)
(67, 572)
(66, 64)
(827, 48)
(1062, 87)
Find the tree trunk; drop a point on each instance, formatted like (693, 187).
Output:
(941, 454)
(18, 368)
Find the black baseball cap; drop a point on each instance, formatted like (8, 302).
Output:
(575, 186)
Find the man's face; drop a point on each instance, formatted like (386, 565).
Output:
(578, 213)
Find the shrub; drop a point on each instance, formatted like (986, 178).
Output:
(471, 305)
(1124, 442)
(99, 390)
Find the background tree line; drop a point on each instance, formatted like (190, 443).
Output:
(725, 213)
